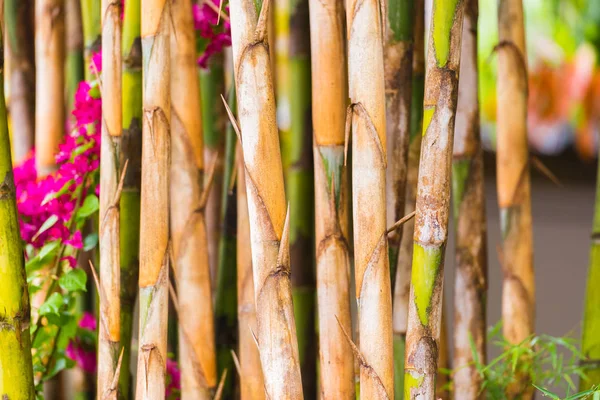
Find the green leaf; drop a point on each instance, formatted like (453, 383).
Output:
(52, 305)
(46, 225)
(546, 393)
(43, 257)
(90, 206)
(73, 280)
(90, 242)
(62, 362)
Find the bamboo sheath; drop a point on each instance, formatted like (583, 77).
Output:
(74, 48)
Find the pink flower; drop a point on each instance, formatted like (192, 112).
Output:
(173, 380)
(83, 353)
(88, 321)
(217, 36)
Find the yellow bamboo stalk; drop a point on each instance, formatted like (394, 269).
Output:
(369, 158)
(269, 225)
(154, 227)
(49, 82)
(251, 376)
(109, 335)
(188, 223)
(328, 61)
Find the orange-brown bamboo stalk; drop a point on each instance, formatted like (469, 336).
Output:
(369, 158)
(188, 223)
(433, 200)
(328, 60)
(154, 228)
(50, 81)
(269, 225)
(109, 335)
(470, 283)
(251, 376)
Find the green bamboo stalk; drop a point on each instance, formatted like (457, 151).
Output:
(74, 69)
(299, 183)
(433, 200)
(92, 28)
(16, 371)
(469, 212)
(18, 19)
(131, 151)
(404, 263)
(226, 324)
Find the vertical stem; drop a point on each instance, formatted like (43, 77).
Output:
(433, 200)
(329, 96)
(154, 227)
(251, 375)
(269, 224)
(188, 224)
(74, 69)
(131, 151)
(20, 38)
(470, 284)
(16, 374)
(50, 78)
(369, 159)
(90, 17)
(109, 335)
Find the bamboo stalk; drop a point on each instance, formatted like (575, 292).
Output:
(109, 335)
(90, 17)
(514, 191)
(20, 40)
(329, 94)
(16, 374)
(269, 225)
(433, 200)
(251, 376)
(50, 78)
(131, 151)
(188, 224)
(470, 283)
(369, 158)
(299, 181)
(398, 88)
(405, 253)
(154, 227)
(74, 70)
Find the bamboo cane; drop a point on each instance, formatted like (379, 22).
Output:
(251, 375)
(131, 151)
(50, 78)
(90, 17)
(154, 227)
(470, 284)
(329, 93)
(433, 200)
(373, 288)
(16, 374)
(188, 224)
(74, 70)
(514, 191)
(405, 253)
(269, 225)
(20, 40)
(109, 335)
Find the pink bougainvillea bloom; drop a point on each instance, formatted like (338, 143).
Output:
(174, 379)
(82, 354)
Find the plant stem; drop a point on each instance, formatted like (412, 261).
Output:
(16, 374)
(20, 40)
(74, 69)
(50, 78)
(154, 227)
(470, 284)
(433, 200)
(91, 21)
(269, 224)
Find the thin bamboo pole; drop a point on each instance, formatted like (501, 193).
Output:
(188, 224)
(329, 94)
(369, 157)
(74, 69)
(154, 227)
(433, 200)
(90, 17)
(514, 191)
(109, 335)
(403, 270)
(20, 40)
(251, 375)
(269, 225)
(16, 373)
(131, 151)
(470, 283)
(50, 78)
